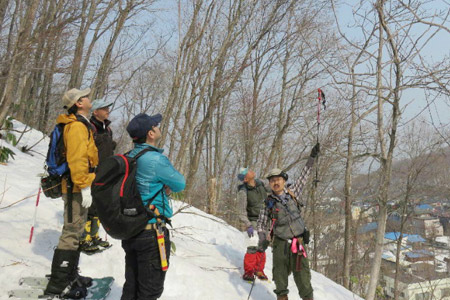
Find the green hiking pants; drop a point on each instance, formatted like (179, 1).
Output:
(284, 263)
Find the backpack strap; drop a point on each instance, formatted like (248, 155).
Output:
(86, 123)
(152, 211)
(242, 187)
(142, 152)
(299, 205)
(94, 129)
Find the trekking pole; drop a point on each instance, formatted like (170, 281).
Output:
(251, 289)
(320, 100)
(35, 214)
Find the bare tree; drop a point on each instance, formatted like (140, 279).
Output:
(19, 53)
(401, 51)
(419, 145)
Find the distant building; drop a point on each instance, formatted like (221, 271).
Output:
(419, 282)
(415, 238)
(363, 211)
(391, 237)
(445, 222)
(419, 255)
(423, 209)
(429, 227)
(447, 260)
(356, 211)
(416, 241)
(369, 227)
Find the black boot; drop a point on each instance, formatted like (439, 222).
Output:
(62, 281)
(83, 281)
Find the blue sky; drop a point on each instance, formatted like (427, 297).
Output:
(437, 49)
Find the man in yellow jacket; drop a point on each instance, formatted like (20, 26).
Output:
(82, 158)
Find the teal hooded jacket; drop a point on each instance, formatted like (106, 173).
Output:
(154, 170)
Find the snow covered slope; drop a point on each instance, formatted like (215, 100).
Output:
(207, 263)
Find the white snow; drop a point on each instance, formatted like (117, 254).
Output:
(207, 263)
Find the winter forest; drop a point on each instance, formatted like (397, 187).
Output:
(237, 84)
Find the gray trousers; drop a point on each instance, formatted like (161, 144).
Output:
(71, 232)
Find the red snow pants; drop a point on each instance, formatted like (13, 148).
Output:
(254, 261)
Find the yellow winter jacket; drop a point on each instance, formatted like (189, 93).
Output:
(81, 152)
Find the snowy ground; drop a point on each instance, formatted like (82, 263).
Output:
(207, 263)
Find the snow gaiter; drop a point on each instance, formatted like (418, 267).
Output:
(62, 276)
(83, 281)
(260, 261)
(250, 261)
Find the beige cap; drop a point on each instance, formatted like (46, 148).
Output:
(71, 96)
(277, 172)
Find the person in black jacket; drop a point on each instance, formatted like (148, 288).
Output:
(105, 145)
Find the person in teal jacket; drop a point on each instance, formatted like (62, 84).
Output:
(156, 179)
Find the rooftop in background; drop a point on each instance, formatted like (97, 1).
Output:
(423, 217)
(424, 206)
(419, 253)
(368, 228)
(393, 235)
(415, 238)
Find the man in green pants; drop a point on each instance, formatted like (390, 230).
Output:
(281, 221)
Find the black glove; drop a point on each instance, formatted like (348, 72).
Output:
(263, 242)
(305, 236)
(263, 245)
(315, 151)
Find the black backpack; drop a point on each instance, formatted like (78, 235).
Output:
(117, 198)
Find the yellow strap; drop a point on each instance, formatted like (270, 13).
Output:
(156, 211)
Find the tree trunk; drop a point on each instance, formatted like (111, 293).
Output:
(3, 8)
(101, 80)
(86, 21)
(212, 196)
(19, 54)
(387, 151)
(348, 205)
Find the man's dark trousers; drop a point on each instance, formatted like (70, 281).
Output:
(284, 263)
(144, 278)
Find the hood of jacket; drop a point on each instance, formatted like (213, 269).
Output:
(66, 119)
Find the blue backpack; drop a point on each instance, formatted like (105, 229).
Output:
(56, 156)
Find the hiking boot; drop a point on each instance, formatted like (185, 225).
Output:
(99, 242)
(76, 292)
(282, 297)
(84, 281)
(261, 276)
(88, 246)
(248, 277)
